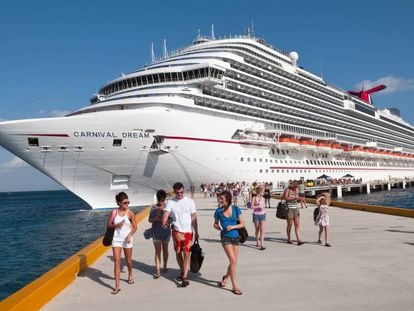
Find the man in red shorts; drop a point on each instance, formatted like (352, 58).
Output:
(183, 213)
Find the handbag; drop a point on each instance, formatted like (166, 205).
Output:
(243, 235)
(197, 257)
(148, 234)
(282, 210)
(109, 234)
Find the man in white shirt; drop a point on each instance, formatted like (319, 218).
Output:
(183, 213)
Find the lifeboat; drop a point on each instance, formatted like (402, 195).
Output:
(287, 142)
(369, 152)
(377, 153)
(357, 151)
(306, 144)
(336, 148)
(323, 146)
(388, 153)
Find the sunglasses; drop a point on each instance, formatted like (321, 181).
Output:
(126, 202)
(179, 192)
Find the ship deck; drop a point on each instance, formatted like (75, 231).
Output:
(367, 268)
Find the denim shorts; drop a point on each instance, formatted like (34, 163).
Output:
(226, 240)
(257, 218)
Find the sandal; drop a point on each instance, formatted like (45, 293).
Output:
(115, 291)
(262, 248)
(289, 242)
(185, 282)
(180, 277)
(164, 270)
(236, 291)
(131, 281)
(156, 275)
(223, 281)
(327, 245)
(300, 243)
(319, 242)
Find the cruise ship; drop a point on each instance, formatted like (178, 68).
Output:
(220, 109)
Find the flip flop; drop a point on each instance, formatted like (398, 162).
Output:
(223, 281)
(164, 270)
(131, 281)
(236, 291)
(289, 242)
(115, 291)
(262, 248)
(156, 275)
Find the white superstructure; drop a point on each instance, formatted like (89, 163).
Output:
(219, 110)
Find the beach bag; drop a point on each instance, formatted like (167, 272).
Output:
(197, 257)
(109, 234)
(243, 235)
(282, 210)
(248, 204)
(148, 234)
(316, 213)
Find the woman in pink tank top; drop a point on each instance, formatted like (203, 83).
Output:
(259, 216)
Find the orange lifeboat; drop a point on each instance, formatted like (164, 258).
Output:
(336, 148)
(306, 144)
(287, 142)
(323, 146)
(357, 151)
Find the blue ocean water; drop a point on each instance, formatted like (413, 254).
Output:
(40, 230)
(403, 198)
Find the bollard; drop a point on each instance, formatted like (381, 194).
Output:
(403, 184)
(368, 189)
(389, 186)
(339, 192)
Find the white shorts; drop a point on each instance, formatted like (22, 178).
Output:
(122, 244)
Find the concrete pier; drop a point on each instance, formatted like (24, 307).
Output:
(368, 267)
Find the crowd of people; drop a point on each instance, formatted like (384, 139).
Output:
(177, 220)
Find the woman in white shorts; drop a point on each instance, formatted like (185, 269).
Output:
(123, 220)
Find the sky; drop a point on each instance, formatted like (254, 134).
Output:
(54, 54)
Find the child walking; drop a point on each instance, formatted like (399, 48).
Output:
(323, 218)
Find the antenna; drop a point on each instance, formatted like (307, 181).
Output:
(213, 37)
(152, 53)
(165, 52)
(252, 29)
(248, 32)
(199, 34)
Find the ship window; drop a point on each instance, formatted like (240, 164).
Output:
(117, 143)
(248, 159)
(273, 171)
(260, 171)
(260, 160)
(267, 171)
(277, 171)
(155, 78)
(33, 141)
(241, 159)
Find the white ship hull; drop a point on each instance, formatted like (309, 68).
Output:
(197, 148)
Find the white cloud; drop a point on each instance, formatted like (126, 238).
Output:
(59, 113)
(54, 113)
(393, 84)
(13, 163)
